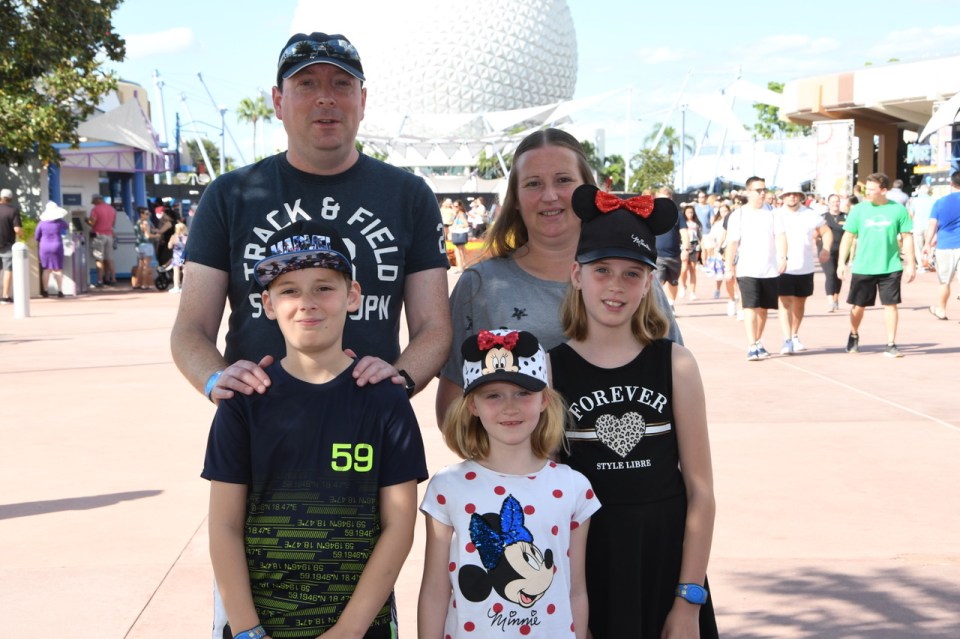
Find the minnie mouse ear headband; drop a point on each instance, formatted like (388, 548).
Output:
(621, 228)
(503, 355)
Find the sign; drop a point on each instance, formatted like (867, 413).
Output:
(835, 155)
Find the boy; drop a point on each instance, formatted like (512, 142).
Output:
(313, 494)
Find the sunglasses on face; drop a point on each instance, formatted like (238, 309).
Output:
(310, 49)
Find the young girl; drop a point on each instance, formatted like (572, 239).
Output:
(507, 527)
(643, 447)
(178, 242)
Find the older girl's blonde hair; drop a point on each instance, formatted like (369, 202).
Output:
(465, 435)
(647, 323)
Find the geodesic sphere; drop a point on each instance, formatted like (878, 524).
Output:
(455, 56)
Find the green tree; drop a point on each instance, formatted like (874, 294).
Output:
(593, 157)
(650, 169)
(50, 75)
(488, 167)
(769, 124)
(253, 111)
(614, 169)
(670, 140)
(373, 152)
(213, 152)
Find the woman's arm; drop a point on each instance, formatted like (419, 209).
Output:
(435, 586)
(228, 512)
(690, 420)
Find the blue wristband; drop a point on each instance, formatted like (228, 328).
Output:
(211, 382)
(257, 632)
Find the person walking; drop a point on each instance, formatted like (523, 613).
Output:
(11, 231)
(102, 219)
(879, 226)
(943, 233)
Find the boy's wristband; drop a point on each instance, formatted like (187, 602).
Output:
(208, 389)
(256, 632)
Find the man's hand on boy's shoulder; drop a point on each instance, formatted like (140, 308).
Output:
(372, 370)
(244, 377)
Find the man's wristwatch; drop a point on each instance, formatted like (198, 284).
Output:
(693, 593)
(408, 384)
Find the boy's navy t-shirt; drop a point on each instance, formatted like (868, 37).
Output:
(314, 458)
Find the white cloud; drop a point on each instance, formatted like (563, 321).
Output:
(933, 41)
(661, 55)
(141, 45)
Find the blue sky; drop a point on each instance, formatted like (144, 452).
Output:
(657, 50)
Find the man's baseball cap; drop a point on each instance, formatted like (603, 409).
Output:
(303, 244)
(302, 50)
(792, 188)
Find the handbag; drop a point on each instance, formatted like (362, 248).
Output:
(459, 239)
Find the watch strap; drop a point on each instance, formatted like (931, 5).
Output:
(409, 385)
(211, 384)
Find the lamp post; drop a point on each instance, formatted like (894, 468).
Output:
(223, 146)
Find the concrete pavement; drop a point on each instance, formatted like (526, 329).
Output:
(836, 474)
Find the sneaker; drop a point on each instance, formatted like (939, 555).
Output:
(692, 297)
(59, 293)
(96, 285)
(787, 347)
(6, 300)
(174, 290)
(731, 308)
(853, 343)
(753, 354)
(681, 292)
(762, 352)
(716, 294)
(892, 351)
(798, 345)
(833, 307)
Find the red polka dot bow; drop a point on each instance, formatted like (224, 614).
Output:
(487, 340)
(642, 205)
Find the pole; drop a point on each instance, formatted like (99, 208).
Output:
(21, 281)
(223, 146)
(196, 137)
(683, 144)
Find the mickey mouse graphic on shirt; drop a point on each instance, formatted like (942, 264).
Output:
(513, 566)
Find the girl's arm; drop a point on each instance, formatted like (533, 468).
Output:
(578, 581)
(435, 586)
(690, 420)
(228, 511)
(398, 514)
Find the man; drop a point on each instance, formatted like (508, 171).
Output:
(102, 219)
(897, 194)
(877, 224)
(920, 207)
(943, 232)
(11, 231)
(802, 226)
(756, 255)
(388, 218)
(704, 211)
(670, 245)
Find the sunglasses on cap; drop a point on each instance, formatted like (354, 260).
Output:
(311, 49)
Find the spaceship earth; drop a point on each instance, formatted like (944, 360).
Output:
(455, 56)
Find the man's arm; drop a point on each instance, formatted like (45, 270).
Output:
(193, 340)
(930, 233)
(398, 514)
(429, 328)
(909, 257)
(826, 241)
(228, 511)
(845, 242)
(781, 241)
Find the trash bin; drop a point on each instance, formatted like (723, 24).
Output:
(76, 274)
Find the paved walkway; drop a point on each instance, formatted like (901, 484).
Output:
(836, 475)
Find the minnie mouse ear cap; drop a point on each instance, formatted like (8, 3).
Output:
(614, 227)
(503, 355)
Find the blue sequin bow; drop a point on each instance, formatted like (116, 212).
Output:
(490, 543)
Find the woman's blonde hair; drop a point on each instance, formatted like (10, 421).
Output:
(466, 436)
(508, 232)
(647, 323)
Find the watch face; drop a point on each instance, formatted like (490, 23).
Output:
(693, 593)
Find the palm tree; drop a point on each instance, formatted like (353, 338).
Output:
(670, 139)
(254, 111)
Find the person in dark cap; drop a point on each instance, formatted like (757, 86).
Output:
(315, 440)
(637, 428)
(388, 218)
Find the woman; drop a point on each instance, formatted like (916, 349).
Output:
(143, 273)
(459, 235)
(837, 210)
(690, 258)
(531, 244)
(49, 237)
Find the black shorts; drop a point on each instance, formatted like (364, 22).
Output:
(668, 270)
(863, 289)
(795, 285)
(758, 292)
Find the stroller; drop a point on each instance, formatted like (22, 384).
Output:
(163, 278)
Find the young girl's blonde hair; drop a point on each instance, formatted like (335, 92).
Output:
(647, 323)
(465, 435)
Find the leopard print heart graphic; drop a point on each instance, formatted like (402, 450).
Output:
(621, 435)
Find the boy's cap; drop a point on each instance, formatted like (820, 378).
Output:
(504, 355)
(302, 50)
(6, 194)
(627, 229)
(303, 244)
